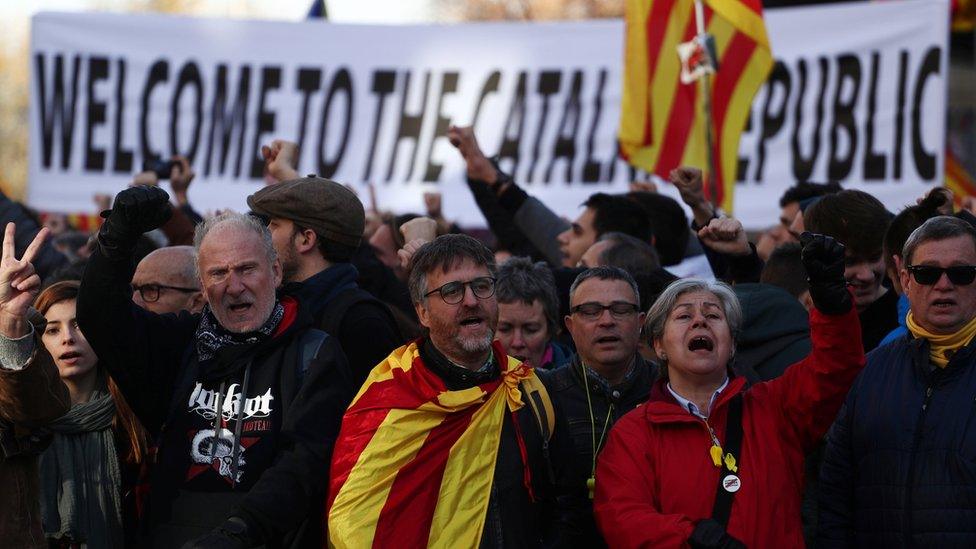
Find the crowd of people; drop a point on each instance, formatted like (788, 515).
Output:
(315, 373)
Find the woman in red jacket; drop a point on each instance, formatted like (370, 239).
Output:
(707, 462)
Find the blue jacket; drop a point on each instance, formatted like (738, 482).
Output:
(900, 465)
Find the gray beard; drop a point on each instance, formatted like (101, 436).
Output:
(477, 345)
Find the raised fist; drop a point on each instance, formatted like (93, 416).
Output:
(136, 210)
(823, 258)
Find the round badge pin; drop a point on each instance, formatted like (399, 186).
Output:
(731, 484)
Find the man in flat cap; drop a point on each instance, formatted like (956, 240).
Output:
(316, 225)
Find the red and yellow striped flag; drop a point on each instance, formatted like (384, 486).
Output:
(661, 119)
(957, 179)
(414, 462)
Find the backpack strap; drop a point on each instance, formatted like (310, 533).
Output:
(308, 347)
(730, 469)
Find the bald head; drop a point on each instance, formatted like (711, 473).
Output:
(168, 281)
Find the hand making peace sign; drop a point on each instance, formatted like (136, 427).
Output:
(19, 284)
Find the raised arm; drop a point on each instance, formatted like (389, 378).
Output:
(811, 391)
(141, 350)
(31, 391)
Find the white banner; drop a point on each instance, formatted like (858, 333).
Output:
(863, 104)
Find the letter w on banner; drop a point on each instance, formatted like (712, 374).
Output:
(662, 119)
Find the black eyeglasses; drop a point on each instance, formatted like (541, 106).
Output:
(453, 292)
(593, 310)
(960, 275)
(150, 292)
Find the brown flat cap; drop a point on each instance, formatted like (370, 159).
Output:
(328, 208)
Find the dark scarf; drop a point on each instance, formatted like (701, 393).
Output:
(212, 338)
(81, 483)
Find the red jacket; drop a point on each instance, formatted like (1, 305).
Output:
(655, 478)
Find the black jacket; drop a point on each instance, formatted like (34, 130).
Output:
(290, 417)
(363, 325)
(900, 465)
(878, 319)
(569, 394)
(517, 518)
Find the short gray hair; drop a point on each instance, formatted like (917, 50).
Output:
(941, 227)
(657, 316)
(521, 280)
(445, 252)
(605, 272)
(238, 220)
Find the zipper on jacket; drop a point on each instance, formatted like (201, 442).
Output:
(911, 464)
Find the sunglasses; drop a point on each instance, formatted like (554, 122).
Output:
(960, 275)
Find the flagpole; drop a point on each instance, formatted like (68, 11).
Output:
(706, 87)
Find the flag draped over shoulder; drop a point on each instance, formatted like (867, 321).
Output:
(661, 119)
(414, 462)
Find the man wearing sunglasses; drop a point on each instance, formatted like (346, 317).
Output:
(166, 281)
(900, 463)
(449, 439)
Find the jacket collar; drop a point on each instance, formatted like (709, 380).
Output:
(639, 376)
(918, 348)
(316, 291)
(662, 407)
(457, 377)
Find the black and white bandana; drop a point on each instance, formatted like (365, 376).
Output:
(211, 337)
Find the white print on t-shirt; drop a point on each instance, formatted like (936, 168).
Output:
(220, 452)
(204, 402)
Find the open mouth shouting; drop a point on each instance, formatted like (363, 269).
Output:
(473, 322)
(240, 308)
(701, 343)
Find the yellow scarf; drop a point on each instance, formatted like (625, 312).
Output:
(942, 347)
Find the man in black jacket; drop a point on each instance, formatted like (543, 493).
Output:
(316, 225)
(900, 465)
(244, 399)
(606, 379)
(509, 499)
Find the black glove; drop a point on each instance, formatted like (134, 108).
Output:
(136, 210)
(232, 534)
(823, 258)
(709, 534)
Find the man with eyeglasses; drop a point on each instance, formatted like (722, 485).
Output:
(900, 464)
(449, 439)
(165, 281)
(606, 379)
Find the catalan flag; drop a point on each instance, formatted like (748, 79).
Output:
(662, 120)
(957, 179)
(414, 462)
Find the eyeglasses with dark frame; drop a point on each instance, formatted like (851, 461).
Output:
(593, 310)
(960, 275)
(150, 292)
(453, 292)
